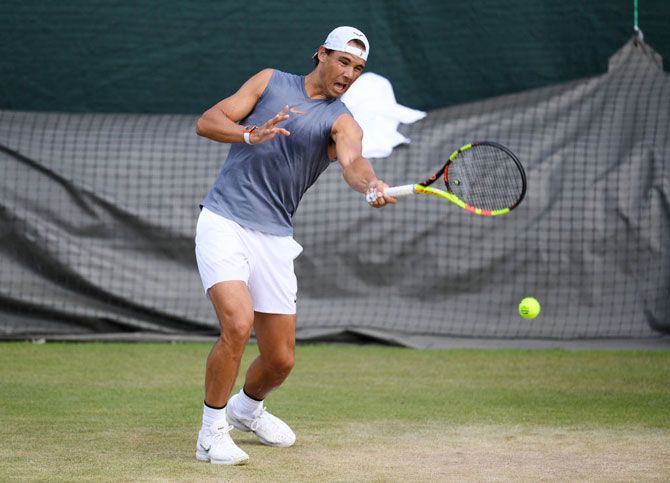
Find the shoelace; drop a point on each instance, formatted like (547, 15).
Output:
(257, 420)
(221, 431)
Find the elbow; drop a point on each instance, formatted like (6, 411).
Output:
(200, 128)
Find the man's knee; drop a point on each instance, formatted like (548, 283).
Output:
(282, 362)
(236, 333)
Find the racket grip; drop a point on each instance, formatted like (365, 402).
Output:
(399, 191)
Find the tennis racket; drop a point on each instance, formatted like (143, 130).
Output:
(484, 178)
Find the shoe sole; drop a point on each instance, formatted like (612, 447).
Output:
(275, 445)
(205, 457)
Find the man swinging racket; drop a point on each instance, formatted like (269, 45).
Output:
(284, 131)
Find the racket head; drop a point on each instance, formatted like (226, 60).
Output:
(486, 177)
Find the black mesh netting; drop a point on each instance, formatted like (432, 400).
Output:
(98, 212)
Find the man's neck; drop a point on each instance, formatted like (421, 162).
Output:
(313, 87)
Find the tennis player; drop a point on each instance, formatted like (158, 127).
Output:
(284, 130)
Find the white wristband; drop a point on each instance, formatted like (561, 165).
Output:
(247, 138)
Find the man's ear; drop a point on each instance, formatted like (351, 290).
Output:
(322, 54)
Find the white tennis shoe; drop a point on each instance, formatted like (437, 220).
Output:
(269, 429)
(216, 446)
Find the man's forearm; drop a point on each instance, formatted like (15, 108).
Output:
(215, 125)
(359, 174)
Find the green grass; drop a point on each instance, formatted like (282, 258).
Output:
(131, 411)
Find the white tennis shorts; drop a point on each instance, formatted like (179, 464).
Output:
(227, 251)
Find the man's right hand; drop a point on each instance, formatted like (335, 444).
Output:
(270, 129)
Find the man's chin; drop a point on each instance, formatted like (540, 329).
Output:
(335, 93)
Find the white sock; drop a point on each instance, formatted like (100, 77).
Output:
(245, 407)
(210, 415)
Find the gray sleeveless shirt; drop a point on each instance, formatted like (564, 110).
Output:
(260, 186)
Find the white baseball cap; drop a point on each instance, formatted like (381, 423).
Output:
(339, 39)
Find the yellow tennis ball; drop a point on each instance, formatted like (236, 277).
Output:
(529, 308)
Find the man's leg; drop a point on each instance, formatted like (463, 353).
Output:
(275, 334)
(234, 310)
(232, 303)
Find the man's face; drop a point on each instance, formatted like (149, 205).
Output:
(338, 71)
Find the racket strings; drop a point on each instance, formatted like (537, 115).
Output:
(486, 177)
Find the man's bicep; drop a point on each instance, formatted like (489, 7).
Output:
(239, 105)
